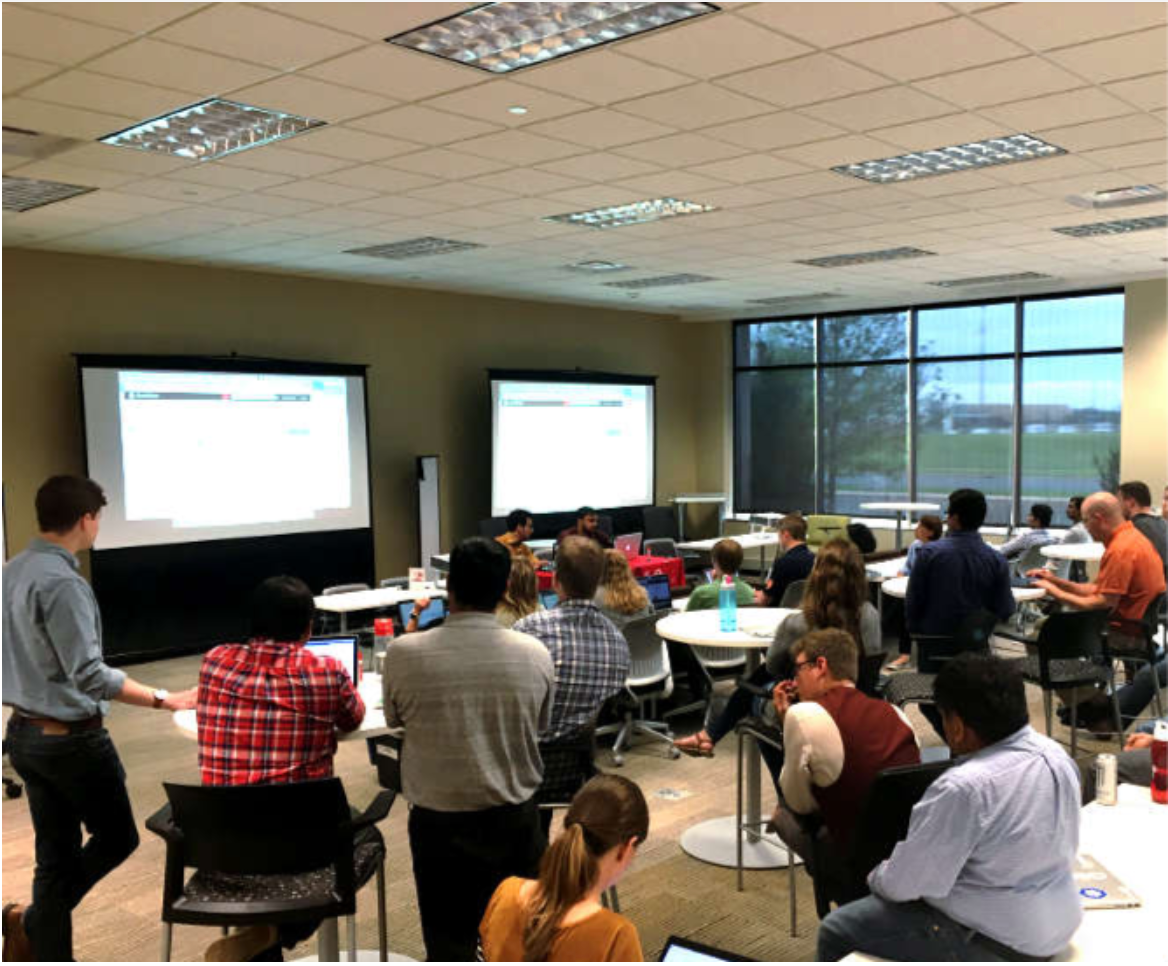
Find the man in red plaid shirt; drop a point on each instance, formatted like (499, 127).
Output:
(269, 711)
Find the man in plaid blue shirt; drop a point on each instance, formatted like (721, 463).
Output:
(590, 656)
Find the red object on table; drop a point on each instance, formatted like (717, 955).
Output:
(672, 567)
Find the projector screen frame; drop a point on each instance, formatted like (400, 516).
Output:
(585, 376)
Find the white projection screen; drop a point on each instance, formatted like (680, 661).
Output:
(204, 453)
(562, 441)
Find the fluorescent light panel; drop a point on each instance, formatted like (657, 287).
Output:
(503, 37)
(992, 279)
(863, 258)
(1121, 227)
(24, 194)
(661, 281)
(792, 299)
(950, 160)
(636, 213)
(211, 129)
(414, 248)
(597, 265)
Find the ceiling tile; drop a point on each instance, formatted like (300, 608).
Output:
(374, 21)
(1119, 57)
(518, 147)
(20, 72)
(750, 167)
(1011, 81)
(134, 17)
(341, 142)
(476, 218)
(1034, 25)
(805, 80)
(836, 151)
(806, 185)
(527, 181)
(1072, 107)
(53, 170)
(490, 102)
(933, 49)
(592, 196)
(414, 123)
(1131, 155)
(402, 74)
(681, 150)
(183, 192)
(736, 197)
(257, 36)
(404, 207)
(829, 25)
(1149, 93)
(601, 128)
(42, 36)
(460, 194)
(320, 191)
(71, 122)
(697, 106)
(446, 164)
(776, 130)
(112, 95)
(600, 167)
(601, 77)
(168, 65)
(375, 177)
(225, 176)
(146, 163)
(939, 132)
(278, 160)
(268, 205)
(1108, 133)
(711, 47)
(877, 109)
(1035, 173)
(313, 98)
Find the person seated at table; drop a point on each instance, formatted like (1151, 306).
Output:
(559, 917)
(726, 557)
(521, 597)
(1136, 499)
(268, 712)
(1133, 764)
(928, 529)
(986, 870)
(520, 527)
(794, 563)
(836, 740)
(1037, 536)
(1096, 713)
(836, 596)
(587, 525)
(620, 598)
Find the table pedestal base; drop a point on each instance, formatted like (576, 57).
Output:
(714, 841)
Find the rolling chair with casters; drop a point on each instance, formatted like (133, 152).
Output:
(650, 677)
(267, 855)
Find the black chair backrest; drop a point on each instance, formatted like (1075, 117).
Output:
(659, 521)
(254, 829)
(869, 675)
(1068, 635)
(973, 634)
(793, 595)
(492, 527)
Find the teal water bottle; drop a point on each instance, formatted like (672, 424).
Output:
(728, 606)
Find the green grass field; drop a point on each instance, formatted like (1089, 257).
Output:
(1049, 454)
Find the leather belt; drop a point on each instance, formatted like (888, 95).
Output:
(51, 726)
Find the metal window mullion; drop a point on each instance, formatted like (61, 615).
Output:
(1016, 494)
(912, 406)
(816, 347)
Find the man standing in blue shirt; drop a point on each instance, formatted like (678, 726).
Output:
(985, 872)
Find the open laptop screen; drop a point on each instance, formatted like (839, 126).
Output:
(657, 587)
(678, 950)
(435, 612)
(344, 649)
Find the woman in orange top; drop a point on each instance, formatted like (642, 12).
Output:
(558, 917)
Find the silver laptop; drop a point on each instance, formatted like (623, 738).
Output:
(629, 544)
(1100, 889)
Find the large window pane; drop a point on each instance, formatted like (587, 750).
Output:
(965, 417)
(868, 337)
(966, 330)
(1070, 427)
(1086, 322)
(864, 437)
(774, 446)
(775, 343)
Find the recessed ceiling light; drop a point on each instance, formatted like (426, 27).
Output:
(792, 299)
(597, 265)
(1140, 194)
(414, 248)
(992, 279)
(636, 213)
(950, 160)
(24, 194)
(661, 281)
(211, 129)
(863, 258)
(502, 37)
(1120, 227)
(517, 109)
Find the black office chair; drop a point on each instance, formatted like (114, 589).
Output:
(933, 650)
(268, 854)
(1134, 642)
(793, 595)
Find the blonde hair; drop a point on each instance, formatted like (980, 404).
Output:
(522, 594)
(606, 813)
(622, 593)
(836, 588)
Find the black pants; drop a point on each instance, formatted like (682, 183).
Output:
(72, 781)
(459, 860)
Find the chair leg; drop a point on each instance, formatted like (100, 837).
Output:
(382, 924)
(1048, 709)
(1118, 718)
(167, 931)
(791, 887)
(351, 929)
(1074, 724)
(738, 819)
(613, 899)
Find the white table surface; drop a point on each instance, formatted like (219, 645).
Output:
(901, 507)
(885, 569)
(373, 599)
(756, 627)
(898, 587)
(747, 541)
(700, 498)
(1073, 551)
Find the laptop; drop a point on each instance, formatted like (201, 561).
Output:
(1099, 888)
(431, 615)
(678, 950)
(657, 587)
(344, 649)
(629, 544)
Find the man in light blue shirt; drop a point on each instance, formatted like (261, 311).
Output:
(985, 873)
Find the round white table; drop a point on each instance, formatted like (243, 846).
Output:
(898, 587)
(716, 840)
(1073, 551)
(902, 510)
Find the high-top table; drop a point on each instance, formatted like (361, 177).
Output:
(747, 541)
(682, 500)
(1086, 552)
(902, 510)
(898, 587)
(716, 840)
(345, 604)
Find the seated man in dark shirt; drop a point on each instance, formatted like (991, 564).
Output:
(794, 563)
(587, 525)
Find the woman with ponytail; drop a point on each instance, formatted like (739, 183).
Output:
(558, 917)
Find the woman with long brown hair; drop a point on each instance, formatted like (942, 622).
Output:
(558, 917)
(836, 596)
(522, 594)
(619, 595)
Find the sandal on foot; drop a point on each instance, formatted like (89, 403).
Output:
(696, 745)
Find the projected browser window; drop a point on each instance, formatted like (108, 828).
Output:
(560, 445)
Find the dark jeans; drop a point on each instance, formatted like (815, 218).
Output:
(740, 705)
(72, 781)
(459, 860)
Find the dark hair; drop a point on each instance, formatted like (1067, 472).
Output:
(479, 569)
(281, 609)
(516, 519)
(727, 556)
(932, 523)
(1078, 500)
(794, 526)
(985, 692)
(837, 588)
(585, 511)
(606, 813)
(1135, 490)
(969, 506)
(835, 646)
(579, 567)
(1042, 513)
(63, 500)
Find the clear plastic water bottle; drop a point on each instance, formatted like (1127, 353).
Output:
(1160, 763)
(728, 605)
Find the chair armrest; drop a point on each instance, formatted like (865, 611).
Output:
(161, 823)
(758, 690)
(375, 811)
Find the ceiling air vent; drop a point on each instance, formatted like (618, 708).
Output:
(414, 248)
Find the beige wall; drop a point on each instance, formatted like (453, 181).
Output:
(1144, 435)
(427, 353)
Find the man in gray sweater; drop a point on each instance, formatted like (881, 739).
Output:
(473, 699)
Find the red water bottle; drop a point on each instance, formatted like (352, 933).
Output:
(1160, 763)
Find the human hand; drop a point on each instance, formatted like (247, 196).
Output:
(1138, 740)
(421, 604)
(1037, 573)
(181, 700)
(784, 695)
(760, 598)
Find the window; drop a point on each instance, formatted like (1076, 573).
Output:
(1019, 398)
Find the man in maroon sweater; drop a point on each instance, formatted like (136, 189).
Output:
(836, 740)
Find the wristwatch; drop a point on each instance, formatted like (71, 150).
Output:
(160, 696)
